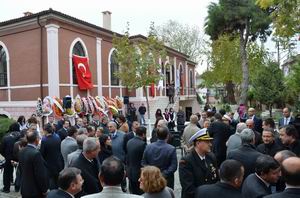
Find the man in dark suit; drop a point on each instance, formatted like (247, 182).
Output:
(280, 157)
(289, 137)
(63, 132)
(198, 167)
(111, 176)
(135, 148)
(257, 121)
(221, 133)
(162, 155)
(231, 175)
(34, 181)
(270, 146)
(131, 134)
(89, 166)
(291, 174)
(69, 182)
(246, 154)
(50, 150)
(6, 150)
(286, 119)
(251, 125)
(258, 184)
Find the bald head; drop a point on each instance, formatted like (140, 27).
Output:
(251, 112)
(283, 155)
(291, 171)
(161, 123)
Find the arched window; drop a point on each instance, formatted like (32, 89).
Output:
(114, 67)
(79, 51)
(3, 67)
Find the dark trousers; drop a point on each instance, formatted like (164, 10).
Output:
(134, 187)
(170, 181)
(171, 99)
(18, 179)
(53, 182)
(7, 175)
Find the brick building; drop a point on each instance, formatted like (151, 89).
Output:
(36, 61)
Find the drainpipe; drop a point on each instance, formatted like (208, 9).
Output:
(41, 64)
(41, 58)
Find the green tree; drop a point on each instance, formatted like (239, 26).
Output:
(285, 15)
(139, 61)
(225, 65)
(268, 85)
(184, 38)
(293, 83)
(242, 18)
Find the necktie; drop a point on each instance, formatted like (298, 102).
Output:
(204, 161)
(285, 121)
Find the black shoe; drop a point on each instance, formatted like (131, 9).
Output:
(5, 191)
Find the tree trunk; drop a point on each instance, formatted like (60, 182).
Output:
(230, 93)
(245, 69)
(270, 110)
(148, 110)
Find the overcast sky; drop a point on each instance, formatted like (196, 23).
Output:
(139, 13)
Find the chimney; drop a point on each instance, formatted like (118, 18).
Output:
(106, 20)
(27, 13)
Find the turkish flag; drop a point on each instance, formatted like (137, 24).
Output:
(152, 90)
(83, 73)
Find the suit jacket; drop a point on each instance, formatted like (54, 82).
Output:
(117, 144)
(58, 193)
(135, 148)
(295, 147)
(127, 137)
(247, 155)
(258, 124)
(7, 145)
(68, 145)
(188, 132)
(287, 193)
(269, 149)
(112, 192)
(253, 187)
(193, 172)
(161, 155)
(62, 133)
(50, 150)
(281, 121)
(73, 156)
(34, 180)
(216, 190)
(89, 172)
(221, 133)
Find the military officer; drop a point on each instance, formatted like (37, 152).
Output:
(199, 166)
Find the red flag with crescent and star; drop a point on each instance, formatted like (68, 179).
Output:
(83, 73)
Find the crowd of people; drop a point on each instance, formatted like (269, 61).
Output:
(244, 157)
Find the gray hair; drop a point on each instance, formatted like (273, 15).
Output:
(89, 144)
(113, 123)
(162, 123)
(247, 136)
(80, 139)
(240, 127)
(82, 130)
(271, 130)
